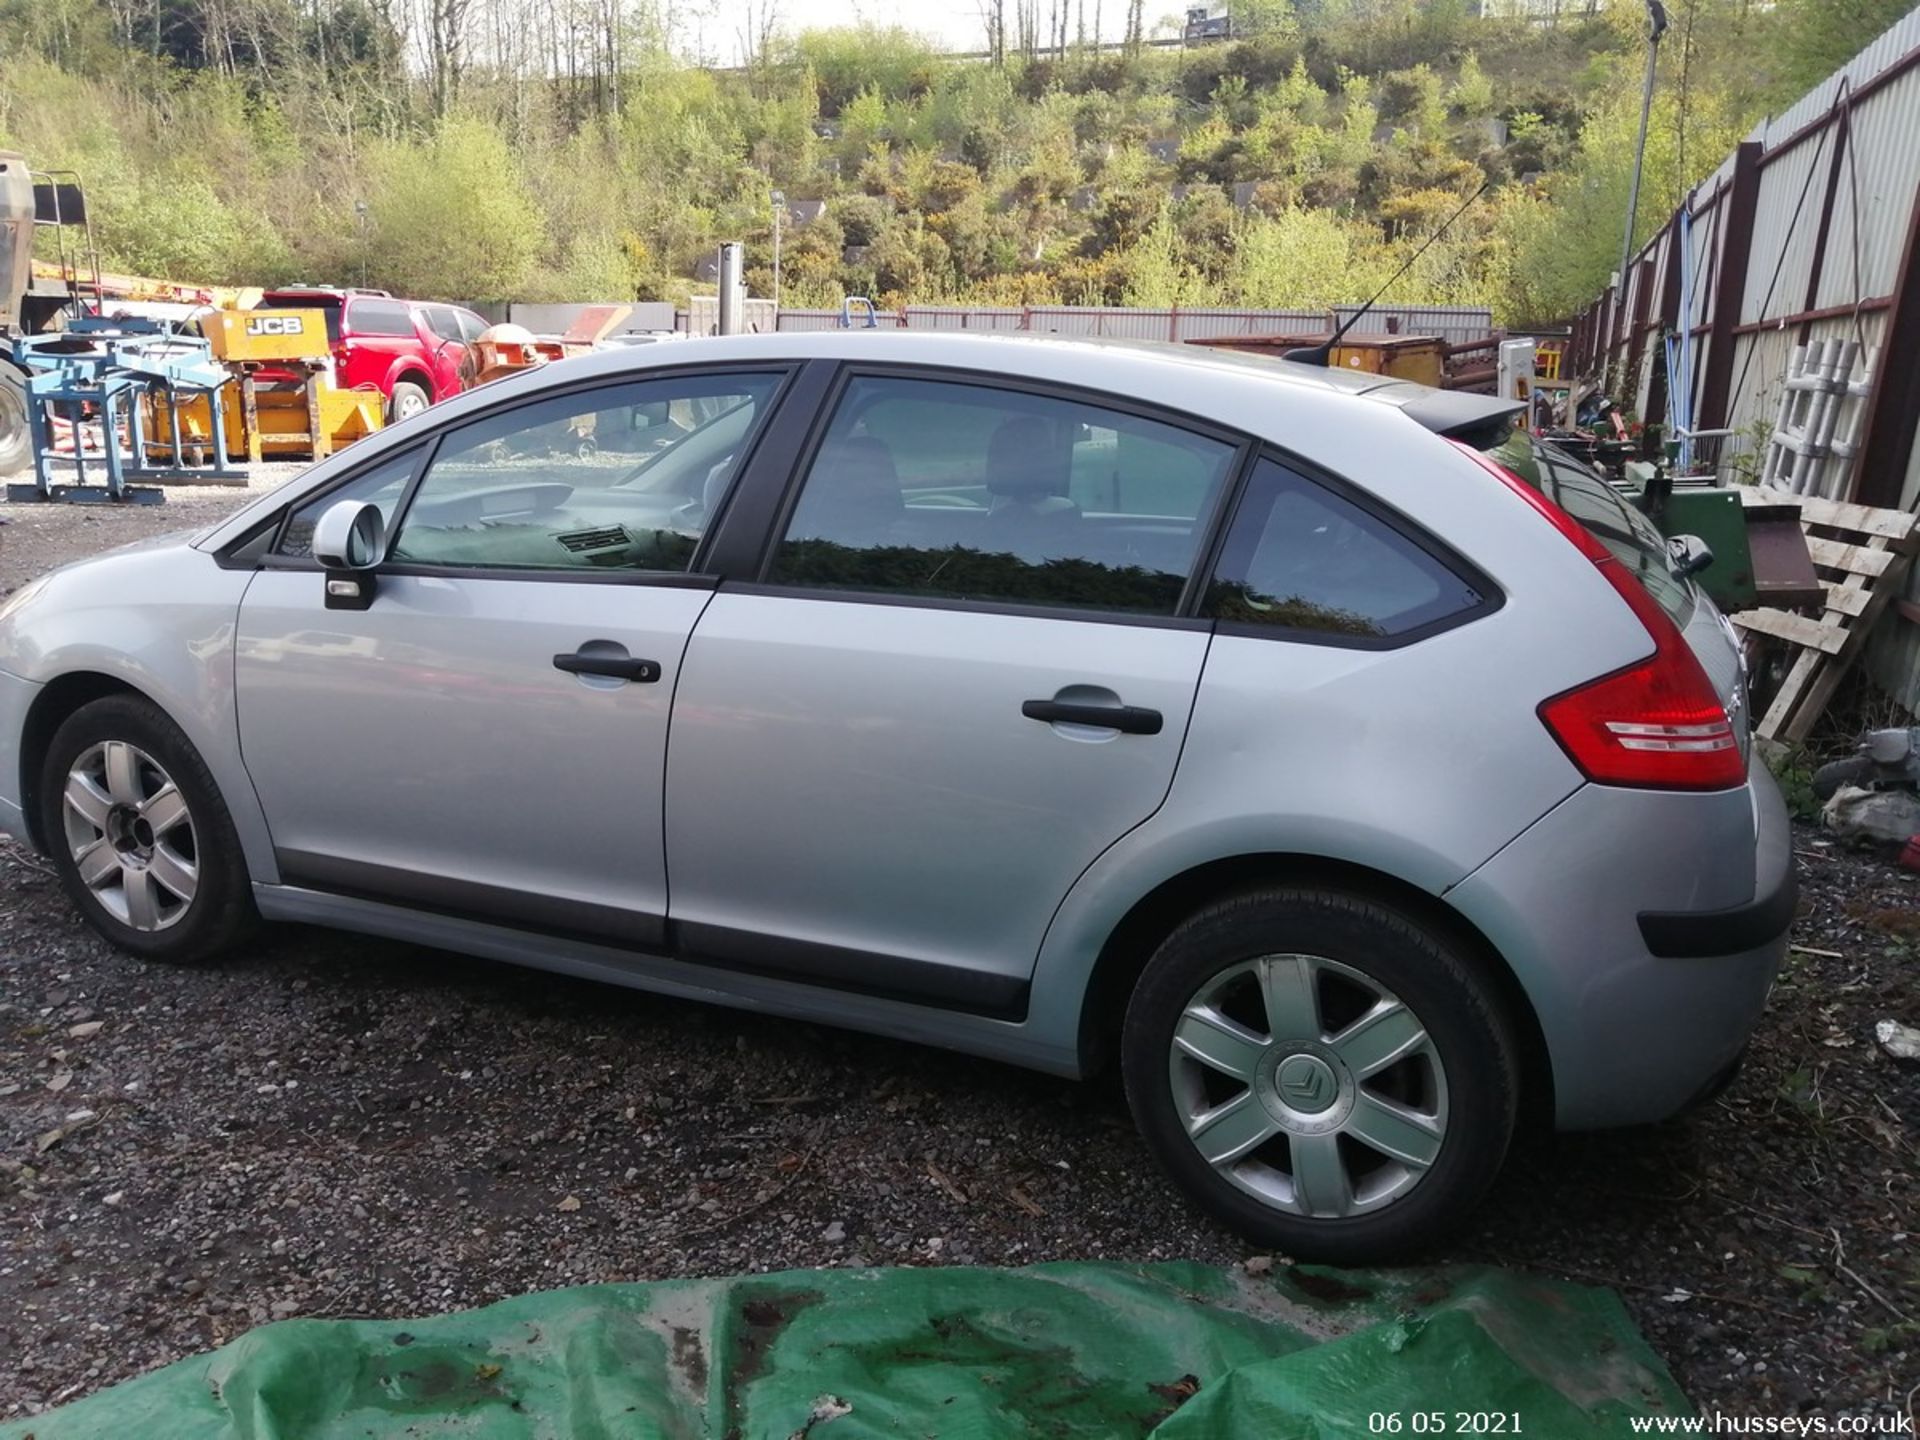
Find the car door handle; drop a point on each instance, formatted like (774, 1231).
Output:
(1127, 719)
(618, 667)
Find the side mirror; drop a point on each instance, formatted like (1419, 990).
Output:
(1689, 555)
(350, 541)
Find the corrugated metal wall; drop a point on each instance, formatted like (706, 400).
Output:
(1833, 190)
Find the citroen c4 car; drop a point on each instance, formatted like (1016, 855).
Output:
(1067, 704)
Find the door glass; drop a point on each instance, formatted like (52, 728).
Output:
(442, 321)
(1299, 557)
(621, 477)
(383, 486)
(967, 492)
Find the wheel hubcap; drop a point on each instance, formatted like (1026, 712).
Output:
(131, 836)
(1308, 1085)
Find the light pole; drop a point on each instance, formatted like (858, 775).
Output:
(1657, 26)
(779, 209)
(360, 209)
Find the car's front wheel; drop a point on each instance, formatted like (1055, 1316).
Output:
(1321, 1072)
(137, 830)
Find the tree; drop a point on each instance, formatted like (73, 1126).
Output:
(453, 219)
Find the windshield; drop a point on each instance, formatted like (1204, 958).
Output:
(1590, 498)
(689, 438)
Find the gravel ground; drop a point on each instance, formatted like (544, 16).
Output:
(36, 538)
(337, 1126)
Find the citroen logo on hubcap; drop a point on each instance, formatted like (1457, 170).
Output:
(1305, 1084)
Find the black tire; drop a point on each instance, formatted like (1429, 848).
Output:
(407, 399)
(220, 913)
(16, 444)
(1469, 1035)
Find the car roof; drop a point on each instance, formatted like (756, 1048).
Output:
(1326, 415)
(1128, 367)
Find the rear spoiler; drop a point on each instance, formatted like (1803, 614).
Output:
(1481, 421)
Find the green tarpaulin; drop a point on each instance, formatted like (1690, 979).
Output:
(1174, 1351)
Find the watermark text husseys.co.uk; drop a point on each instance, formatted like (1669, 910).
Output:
(1715, 1423)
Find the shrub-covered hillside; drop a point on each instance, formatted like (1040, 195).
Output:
(565, 149)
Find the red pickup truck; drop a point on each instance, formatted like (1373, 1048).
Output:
(412, 352)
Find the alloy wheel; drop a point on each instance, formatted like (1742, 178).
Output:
(131, 836)
(1308, 1085)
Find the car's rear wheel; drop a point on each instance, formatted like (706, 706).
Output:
(407, 401)
(139, 834)
(1321, 1072)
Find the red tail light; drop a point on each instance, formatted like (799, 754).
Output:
(1655, 725)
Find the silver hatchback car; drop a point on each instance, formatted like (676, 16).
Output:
(1049, 701)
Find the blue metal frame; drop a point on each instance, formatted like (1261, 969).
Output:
(112, 365)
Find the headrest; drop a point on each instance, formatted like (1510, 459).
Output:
(860, 465)
(1025, 460)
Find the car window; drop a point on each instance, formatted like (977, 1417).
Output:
(472, 326)
(383, 485)
(1628, 535)
(379, 317)
(555, 484)
(442, 321)
(1300, 557)
(969, 492)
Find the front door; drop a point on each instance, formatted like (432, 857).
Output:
(964, 677)
(489, 736)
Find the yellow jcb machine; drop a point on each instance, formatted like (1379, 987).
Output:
(282, 402)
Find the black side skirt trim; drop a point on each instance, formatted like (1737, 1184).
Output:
(888, 977)
(831, 967)
(469, 900)
(1698, 934)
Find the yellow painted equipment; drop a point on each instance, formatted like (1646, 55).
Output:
(1419, 358)
(301, 415)
(277, 423)
(267, 336)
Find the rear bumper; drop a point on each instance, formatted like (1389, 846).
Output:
(1683, 934)
(1646, 930)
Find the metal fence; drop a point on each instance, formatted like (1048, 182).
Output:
(1456, 325)
(1809, 231)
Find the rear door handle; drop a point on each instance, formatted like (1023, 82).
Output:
(618, 667)
(1127, 719)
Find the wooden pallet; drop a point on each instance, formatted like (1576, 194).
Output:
(1861, 555)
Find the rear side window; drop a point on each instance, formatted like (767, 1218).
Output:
(1300, 557)
(379, 317)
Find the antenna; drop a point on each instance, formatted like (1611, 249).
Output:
(1322, 355)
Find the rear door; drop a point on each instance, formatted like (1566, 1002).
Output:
(954, 685)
